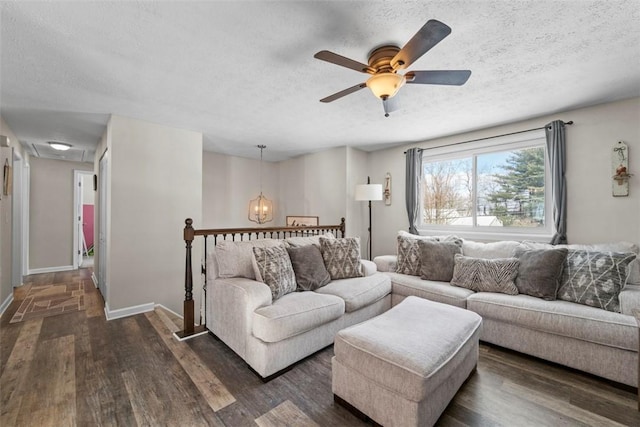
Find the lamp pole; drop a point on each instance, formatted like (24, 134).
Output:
(369, 229)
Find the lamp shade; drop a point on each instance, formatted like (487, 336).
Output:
(369, 192)
(385, 85)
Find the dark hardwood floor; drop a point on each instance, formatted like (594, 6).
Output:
(79, 369)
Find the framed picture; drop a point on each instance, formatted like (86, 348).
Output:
(302, 221)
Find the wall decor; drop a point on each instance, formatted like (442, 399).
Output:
(620, 169)
(6, 178)
(302, 221)
(386, 193)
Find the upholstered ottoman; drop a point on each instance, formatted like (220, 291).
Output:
(403, 367)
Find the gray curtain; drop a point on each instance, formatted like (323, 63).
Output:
(556, 150)
(412, 197)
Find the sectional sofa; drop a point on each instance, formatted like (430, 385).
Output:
(594, 340)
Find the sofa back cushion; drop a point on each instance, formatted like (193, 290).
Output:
(491, 250)
(298, 241)
(235, 259)
(595, 278)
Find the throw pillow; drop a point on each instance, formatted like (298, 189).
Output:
(408, 252)
(308, 267)
(275, 270)
(486, 275)
(595, 278)
(235, 258)
(540, 272)
(341, 257)
(437, 260)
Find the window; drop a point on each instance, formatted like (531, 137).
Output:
(497, 186)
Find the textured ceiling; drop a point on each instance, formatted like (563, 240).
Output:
(243, 73)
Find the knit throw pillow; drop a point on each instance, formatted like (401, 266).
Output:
(486, 275)
(273, 267)
(437, 260)
(408, 251)
(341, 257)
(594, 278)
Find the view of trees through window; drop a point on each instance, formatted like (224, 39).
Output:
(507, 189)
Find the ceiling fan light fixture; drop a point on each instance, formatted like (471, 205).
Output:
(385, 85)
(60, 146)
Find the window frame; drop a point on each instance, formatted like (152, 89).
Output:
(524, 140)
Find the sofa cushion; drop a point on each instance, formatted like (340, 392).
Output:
(341, 257)
(308, 267)
(558, 317)
(492, 250)
(359, 292)
(595, 278)
(294, 314)
(406, 285)
(629, 299)
(408, 252)
(235, 259)
(437, 260)
(298, 241)
(273, 267)
(486, 275)
(540, 271)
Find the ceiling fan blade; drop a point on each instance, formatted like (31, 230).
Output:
(390, 105)
(439, 77)
(345, 92)
(427, 37)
(334, 58)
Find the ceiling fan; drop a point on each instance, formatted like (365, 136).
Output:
(385, 62)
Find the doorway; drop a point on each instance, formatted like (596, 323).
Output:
(84, 202)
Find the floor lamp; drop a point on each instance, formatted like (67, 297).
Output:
(369, 192)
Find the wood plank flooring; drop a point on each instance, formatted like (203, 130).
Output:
(79, 369)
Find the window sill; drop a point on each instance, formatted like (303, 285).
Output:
(488, 235)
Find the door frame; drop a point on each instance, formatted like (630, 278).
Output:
(20, 219)
(78, 215)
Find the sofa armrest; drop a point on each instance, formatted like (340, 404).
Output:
(368, 267)
(630, 299)
(386, 263)
(232, 303)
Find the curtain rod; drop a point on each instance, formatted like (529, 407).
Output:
(570, 122)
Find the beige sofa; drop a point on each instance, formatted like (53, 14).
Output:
(590, 339)
(272, 335)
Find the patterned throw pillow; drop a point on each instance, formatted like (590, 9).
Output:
(594, 278)
(341, 257)
(273, 267)
(486, 275)
(409, 253)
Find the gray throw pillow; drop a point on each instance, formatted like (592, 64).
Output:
(308, 267)
(486, 275)
(437, 259)
(540, 272)
(274, 269)
(341, 257)
(594, 278)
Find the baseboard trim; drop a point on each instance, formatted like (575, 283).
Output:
(170, 311)
(127, 311)
(6, 303)
(94, 279)
(50, 269)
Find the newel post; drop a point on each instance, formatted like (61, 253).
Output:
(188, 311)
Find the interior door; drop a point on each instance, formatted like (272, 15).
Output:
(102, 230)
(80, 220)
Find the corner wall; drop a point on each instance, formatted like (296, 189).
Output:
(155, 183)
(594, 215)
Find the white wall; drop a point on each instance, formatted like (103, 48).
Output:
(593, 214)
(51, 213)
(155, 182)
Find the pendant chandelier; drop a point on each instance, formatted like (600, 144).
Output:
(261, 208)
